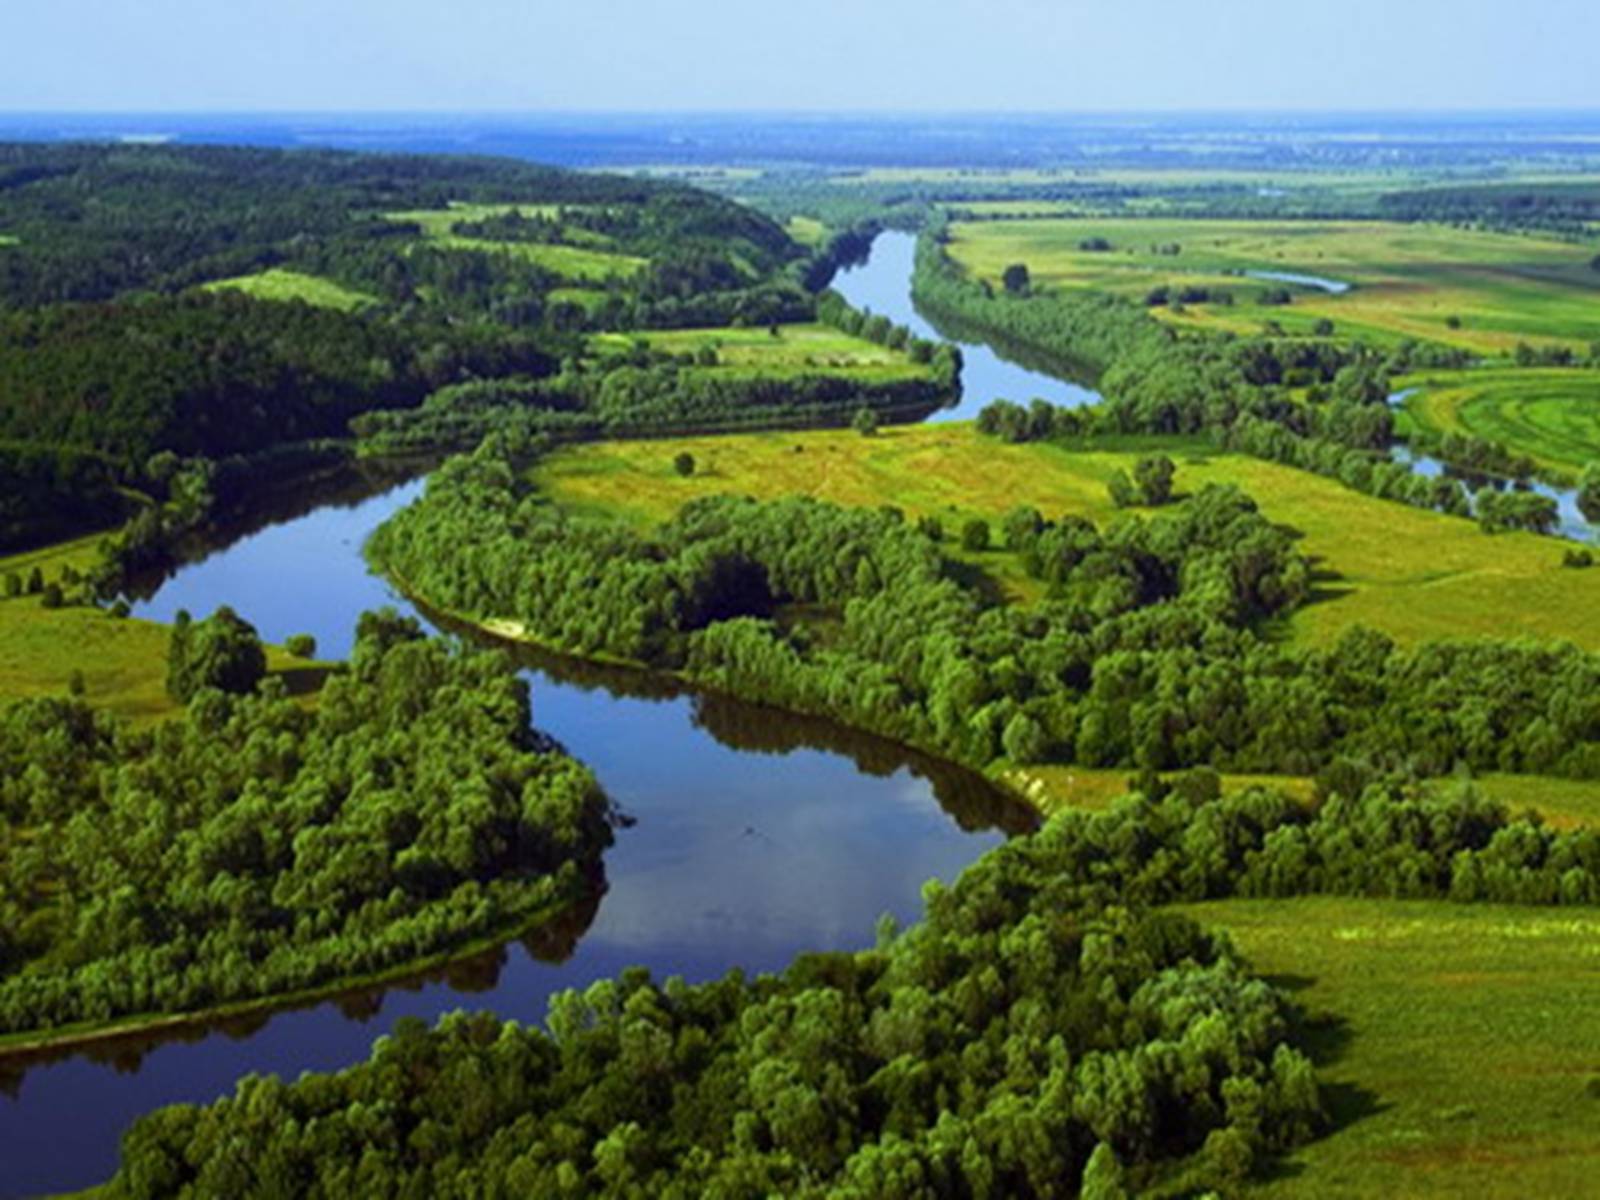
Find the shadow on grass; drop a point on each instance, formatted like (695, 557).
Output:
(1325, 1038)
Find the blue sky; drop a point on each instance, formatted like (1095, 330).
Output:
(476, 55)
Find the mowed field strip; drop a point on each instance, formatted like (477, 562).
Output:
(586, 263)
(281, 284)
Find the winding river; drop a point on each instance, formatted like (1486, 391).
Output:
(757, 835)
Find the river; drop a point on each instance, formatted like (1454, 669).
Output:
(756, 835)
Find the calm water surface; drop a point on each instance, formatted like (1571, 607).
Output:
(757, 835)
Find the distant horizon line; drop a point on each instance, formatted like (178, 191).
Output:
(445, 113)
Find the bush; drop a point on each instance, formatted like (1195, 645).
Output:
(683, 463)
(975, 534)
(865, 422)
(13, 585)
(52, 597)
(301, 645)
(222, 652)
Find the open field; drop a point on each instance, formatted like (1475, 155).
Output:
(1455, 1043)
(1053, 788)
(582, 264)
(1408, 280)
(1548, 414)
(795, 350)
(279, 284)
(808, 231)
(124, 662)
(1410, 573)
(1561, 803)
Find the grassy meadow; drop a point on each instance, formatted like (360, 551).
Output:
(1410, 573)
(280, 284)
(124, 661)
(1551, 415)
(794, 350)
(1408, 281)
(588, 263)
(1455, 1043)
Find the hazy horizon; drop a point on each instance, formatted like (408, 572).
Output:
(405, 57)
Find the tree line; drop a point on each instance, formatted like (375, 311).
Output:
(1148, 650)
(252, 847)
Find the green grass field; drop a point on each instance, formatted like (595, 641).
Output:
(279, 284)
(1456, 1044)
(1409, 280)
(796, 350)
(808, 231)
(1410, 573)
(1551, 415)
(124, 662)
(588, 299)
(589, 263)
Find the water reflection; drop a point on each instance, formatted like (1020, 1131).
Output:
(882, 283)
(735, 860)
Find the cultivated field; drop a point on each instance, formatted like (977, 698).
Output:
(1548, 414)
(280, 284)
(1407, 280)
(1410, 573)
(1455, 1042)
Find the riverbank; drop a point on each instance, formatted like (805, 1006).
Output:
(79, 1036)
(515, 632)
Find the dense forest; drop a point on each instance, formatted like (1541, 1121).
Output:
(253, 847)
(1043, 1030)
(1031, 1034)
(644, 391)
(109, 347)
(1148, 651)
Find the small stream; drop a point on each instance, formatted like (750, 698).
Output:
(1570, 521)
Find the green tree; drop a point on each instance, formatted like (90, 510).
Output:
(1016, 279)
(220, 652)
(52, 596)
(1024, 739)
(683, 463)
(13, 585)
(975, 534)
(865, 422)
(1121, 490)
(1589, 493)
(1153, 476)
(1103, 1178)
(35, 581)
(301, 645)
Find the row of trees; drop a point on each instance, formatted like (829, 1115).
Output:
(1146, 652)
(252, 847)
(1045, 1029)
